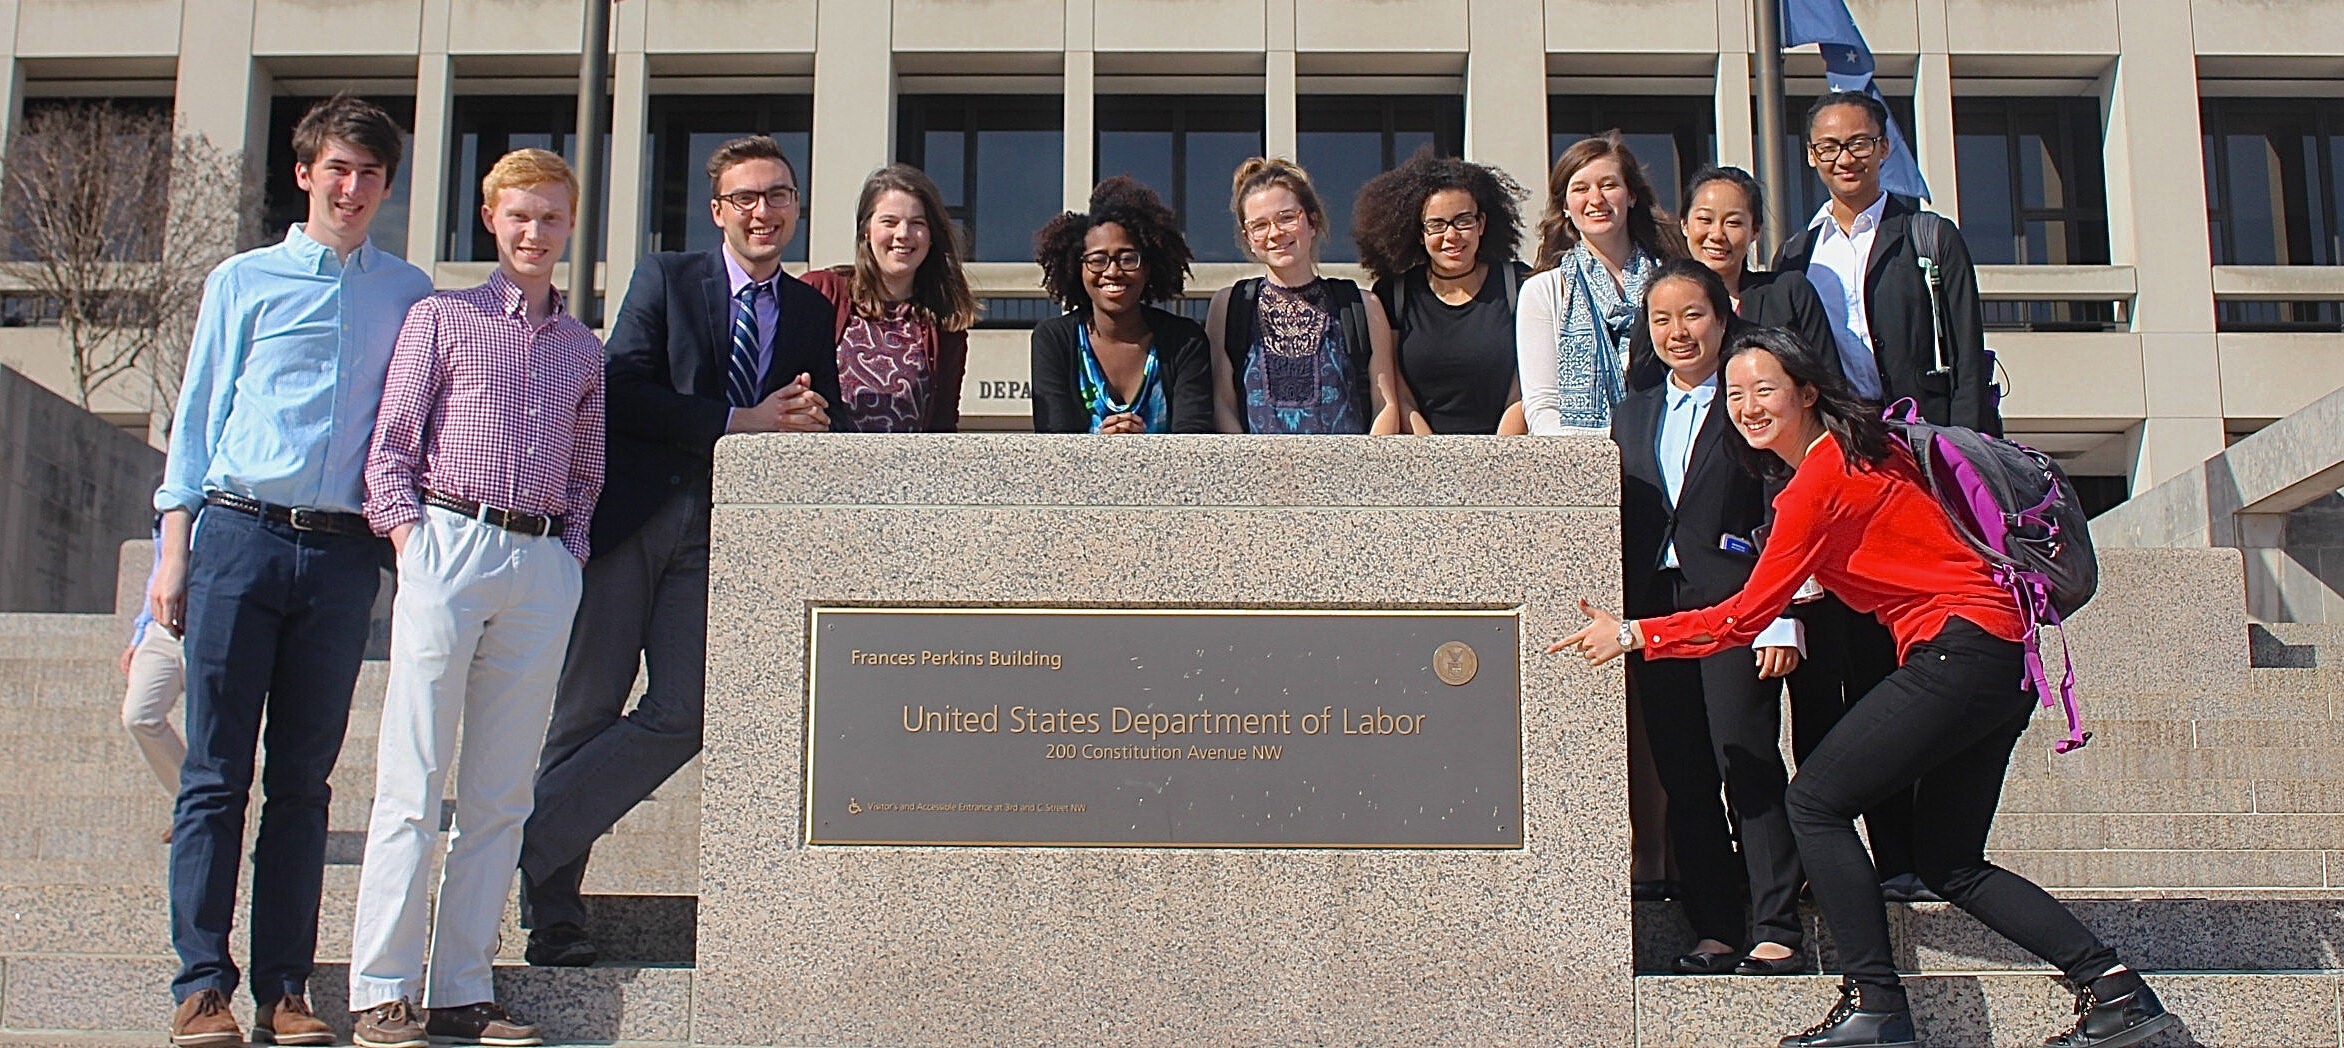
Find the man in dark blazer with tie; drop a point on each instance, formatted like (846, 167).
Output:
(1712, 721)
(1861, 252)
(706, 344)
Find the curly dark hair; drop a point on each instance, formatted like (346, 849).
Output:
(1556, 234)
(1387, 220)
(1123, 201)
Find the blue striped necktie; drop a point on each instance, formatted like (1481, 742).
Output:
(741, 377)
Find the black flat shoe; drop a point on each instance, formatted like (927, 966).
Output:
(560, 945)
(1795, 964)
(1704, 963)
(1905, 887)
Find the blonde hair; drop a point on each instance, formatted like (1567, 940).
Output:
(523, 168)
(1264, 172)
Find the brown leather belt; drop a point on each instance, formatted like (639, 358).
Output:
(299, 518)
(510, 520)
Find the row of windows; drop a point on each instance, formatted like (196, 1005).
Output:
(2032, 186)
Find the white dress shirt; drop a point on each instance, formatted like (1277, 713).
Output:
(1836, 268)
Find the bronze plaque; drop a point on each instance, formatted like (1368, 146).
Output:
(1199, 729)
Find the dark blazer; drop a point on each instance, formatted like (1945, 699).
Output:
(1897, 299)
(667, 356)
(1778, 300)
(1184, 364)
(1719, 498)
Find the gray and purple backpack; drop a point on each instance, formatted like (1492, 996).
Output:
(2015, 506)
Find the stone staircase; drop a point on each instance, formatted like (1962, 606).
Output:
(2202, 832)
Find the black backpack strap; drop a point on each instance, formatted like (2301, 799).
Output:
(1237, 325)
(1928, 232)
(1351, 312)
(1513, 287)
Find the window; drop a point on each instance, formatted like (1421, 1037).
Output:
(2274, 180)
(999, 160)
(685, 129)
(486, 128)
(1672, 135)
(2031, 186)
(1186, 149)
(284, 203)
(1347, 139)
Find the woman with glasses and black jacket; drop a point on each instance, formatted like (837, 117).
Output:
(1112, 363)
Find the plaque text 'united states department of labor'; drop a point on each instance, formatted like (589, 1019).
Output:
(1307, 729)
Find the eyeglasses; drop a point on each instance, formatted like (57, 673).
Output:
(1286, 221)
(1860, 147)
(1465, 223)
(745, 201)
(1126, 260)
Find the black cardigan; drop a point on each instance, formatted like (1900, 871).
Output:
(1183, 365)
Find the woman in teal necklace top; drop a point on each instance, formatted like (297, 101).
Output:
(1112, 363)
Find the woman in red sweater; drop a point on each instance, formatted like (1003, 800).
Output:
(1855, 516)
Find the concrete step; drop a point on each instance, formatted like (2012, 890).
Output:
(2176, 870)
(2120, 761)
(2093, 796)
(130, 998)
(2235, 1010)
(134, 921)
(2022, 831)
(2301, 932)
(33, 635)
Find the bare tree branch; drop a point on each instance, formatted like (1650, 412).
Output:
(116, 220)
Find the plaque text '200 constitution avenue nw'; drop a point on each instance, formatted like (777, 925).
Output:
(1238, 728)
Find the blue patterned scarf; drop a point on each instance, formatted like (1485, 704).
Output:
(1592, 324)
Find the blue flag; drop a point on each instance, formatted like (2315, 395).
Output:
(1847, 66)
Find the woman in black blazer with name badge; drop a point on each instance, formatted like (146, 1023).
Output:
(1688, 514)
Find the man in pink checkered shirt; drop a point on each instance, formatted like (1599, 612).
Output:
(486, 462)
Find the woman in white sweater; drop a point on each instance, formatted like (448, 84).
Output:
(1601, 237)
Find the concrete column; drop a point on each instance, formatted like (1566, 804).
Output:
(1082, 139)
(427, 164)
(854, 73)
(11, 72)
(1933, 130)
(221, 93)
(1737, 144)
(630, 157)
(2156, 209)
(1505, 67)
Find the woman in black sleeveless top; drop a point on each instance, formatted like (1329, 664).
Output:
(1438, 234)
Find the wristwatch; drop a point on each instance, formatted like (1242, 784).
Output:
(1627, 635)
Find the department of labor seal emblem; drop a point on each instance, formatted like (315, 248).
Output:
(1455, 663)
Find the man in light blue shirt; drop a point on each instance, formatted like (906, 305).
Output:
(267, 571)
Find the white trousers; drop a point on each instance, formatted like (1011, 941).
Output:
(478, 629)
(158, 676)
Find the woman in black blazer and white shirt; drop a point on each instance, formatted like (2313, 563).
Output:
(1725, 211)
(1688, 513)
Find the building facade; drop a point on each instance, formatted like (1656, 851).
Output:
(2154, 188)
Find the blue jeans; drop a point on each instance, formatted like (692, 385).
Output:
(276, 626)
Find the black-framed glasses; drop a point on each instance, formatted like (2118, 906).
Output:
(1464, 223)
(1860, 147)
(1126, 260)
(745, 201)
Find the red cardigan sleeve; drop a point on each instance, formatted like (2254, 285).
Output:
(1808, 523)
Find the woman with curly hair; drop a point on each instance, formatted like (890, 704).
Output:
(1600, 240)
(1295, 352)
(1438, 234)
(1112, 363)
(903, 310)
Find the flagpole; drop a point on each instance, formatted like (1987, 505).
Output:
(1773, 170)
(593, 113)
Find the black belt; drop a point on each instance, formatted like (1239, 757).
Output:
(510, 520)
(299, 518)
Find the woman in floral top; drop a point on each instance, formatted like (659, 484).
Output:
(904, 310)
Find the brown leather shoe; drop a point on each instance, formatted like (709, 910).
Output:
(391, 1024)
(203, 1021)
(482, 1023)
(288, 1020)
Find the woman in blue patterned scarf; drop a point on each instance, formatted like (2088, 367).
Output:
(1600, 240)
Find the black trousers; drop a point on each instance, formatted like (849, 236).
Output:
(1711, 722)
(1848, 654)
(1940, 730)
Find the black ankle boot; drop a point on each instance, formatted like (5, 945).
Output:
(1849, 1025)
(2112, 1011)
